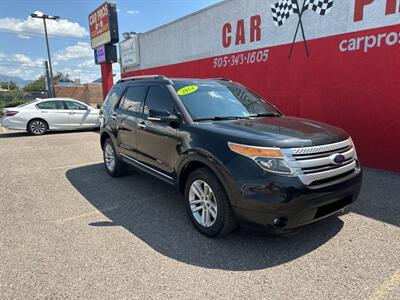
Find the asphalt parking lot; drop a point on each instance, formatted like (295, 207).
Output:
(68, 230)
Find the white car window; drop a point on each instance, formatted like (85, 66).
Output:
(50, 105)
(72, 105)
(27, 103)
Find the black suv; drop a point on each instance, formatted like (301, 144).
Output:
(234, 156)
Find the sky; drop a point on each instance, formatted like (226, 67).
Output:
(22, 43)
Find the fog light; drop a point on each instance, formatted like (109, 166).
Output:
(280, 222)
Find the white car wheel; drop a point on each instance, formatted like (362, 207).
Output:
(37, 127)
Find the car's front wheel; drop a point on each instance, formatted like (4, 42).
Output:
(37, 127)
(208, 205)
(114, 166)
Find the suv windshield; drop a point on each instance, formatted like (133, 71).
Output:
(211, 100)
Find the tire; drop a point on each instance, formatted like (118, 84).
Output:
(114, 166)
(208, 205)
(37, 127)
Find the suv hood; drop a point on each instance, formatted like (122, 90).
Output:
(280, 132)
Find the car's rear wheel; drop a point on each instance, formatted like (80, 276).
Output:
(208, 204)
(114, 166)
(37, 127)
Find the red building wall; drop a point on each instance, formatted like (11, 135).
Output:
(356, 90)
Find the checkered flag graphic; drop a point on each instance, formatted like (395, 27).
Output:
(282, 10)
(321, 7)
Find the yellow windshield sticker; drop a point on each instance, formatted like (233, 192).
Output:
(187, 90)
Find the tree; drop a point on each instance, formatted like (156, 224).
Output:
(62, 76)
(9, 85)
(37, 85)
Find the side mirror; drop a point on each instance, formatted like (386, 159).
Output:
(161, 116)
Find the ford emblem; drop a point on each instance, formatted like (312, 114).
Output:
(338, 159)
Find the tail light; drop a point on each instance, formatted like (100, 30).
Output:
(10, 113)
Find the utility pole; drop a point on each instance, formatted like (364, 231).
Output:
(44, 18)
(47, 78)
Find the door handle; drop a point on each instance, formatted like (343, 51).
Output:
(142, 126)
(71, 113)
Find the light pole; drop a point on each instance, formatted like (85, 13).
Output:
(47, 17)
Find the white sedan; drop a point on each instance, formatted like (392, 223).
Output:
(39, 116)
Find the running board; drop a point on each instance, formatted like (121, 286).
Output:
(149, 170)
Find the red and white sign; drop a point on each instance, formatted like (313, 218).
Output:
(99, 23)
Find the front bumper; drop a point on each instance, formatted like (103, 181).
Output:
(284, 204)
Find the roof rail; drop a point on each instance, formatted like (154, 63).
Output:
(142, 77)
(222, 79)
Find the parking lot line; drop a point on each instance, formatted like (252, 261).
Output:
(102, 211)
(75, 165)
(384, 290)
(87, 214)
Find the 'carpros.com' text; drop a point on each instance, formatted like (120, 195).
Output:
(367, 42)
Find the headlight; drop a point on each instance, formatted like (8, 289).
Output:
(276, 165)
(270, 159)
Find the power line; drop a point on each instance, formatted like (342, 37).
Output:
(57, 68)
(38, 35)
(14, 63)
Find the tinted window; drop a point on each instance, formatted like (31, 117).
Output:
(158, 99)
(50, 105)
(113, 97)
(75, 105)
(133, 99)
(209, 99)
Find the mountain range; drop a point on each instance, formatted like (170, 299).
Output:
(19, 81)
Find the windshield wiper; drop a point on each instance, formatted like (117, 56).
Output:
(266, 115)
(221, 118)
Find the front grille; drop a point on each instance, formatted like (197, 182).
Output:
(321, 154)
(315, 165)
(334, 178)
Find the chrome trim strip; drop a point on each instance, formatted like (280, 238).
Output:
(316, 149)
(326, 168)
(317, 162)
(307, 179)
(146, 166)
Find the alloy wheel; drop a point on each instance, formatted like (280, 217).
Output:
(109, 157)
(203, 203)
(38, 127)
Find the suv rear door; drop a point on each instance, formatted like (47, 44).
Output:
(156, 141)
(126, 114)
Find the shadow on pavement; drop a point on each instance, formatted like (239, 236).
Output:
(13, 134)
(380, 196)
(155, 213)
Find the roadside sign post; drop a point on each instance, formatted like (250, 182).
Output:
(107, 78)
(103, 23)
